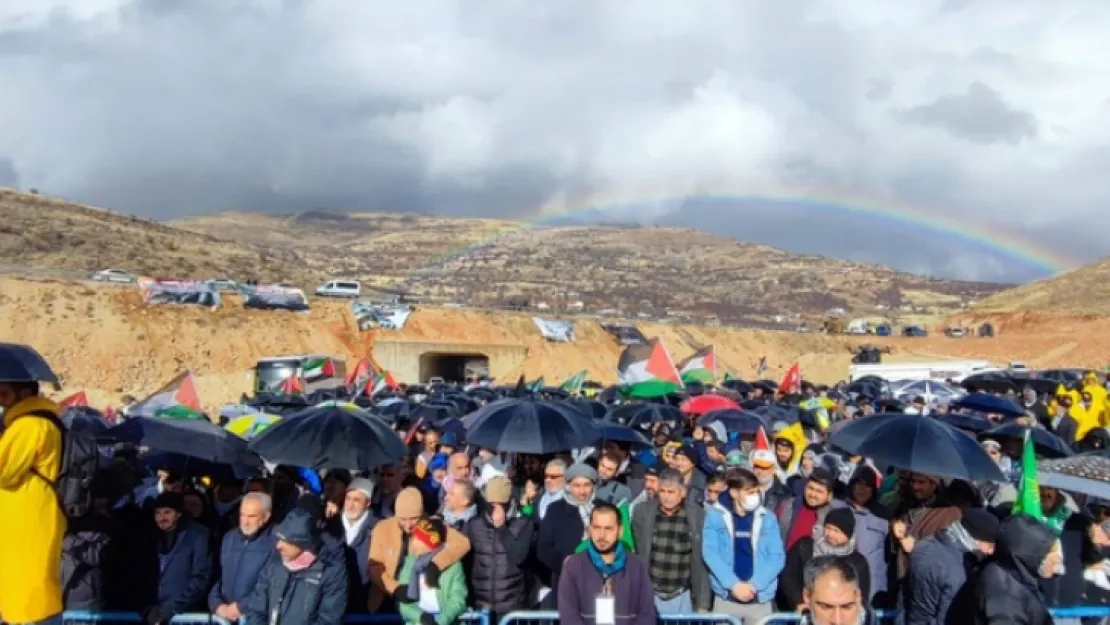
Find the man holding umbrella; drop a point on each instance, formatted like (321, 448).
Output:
(31, 521)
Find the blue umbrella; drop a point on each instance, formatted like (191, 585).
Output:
(330, 437)
(21, 363)
(1045, 443)
(991, 404)
(742, 422)
(623, 434)
(528, 427)
(918, 444)
(591, 408)
(195, 438)
(969, 422)
(644, 415)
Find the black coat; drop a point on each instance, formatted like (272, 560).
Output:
(356, 558)
(560, 533)
(940, 584)
(186, 570)
(241, 562)
(1007, 589)
(84, 550)
(497, 561)
(315, 596)
(789, 594)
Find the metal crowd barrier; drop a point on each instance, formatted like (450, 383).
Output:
(552, 618)
(472, 617)
(102, 618)
(1060, 616)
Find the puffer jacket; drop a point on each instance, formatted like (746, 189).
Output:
(497, 557)
(84, 549)
(1007, 589)
(316, 595)
(242, 560)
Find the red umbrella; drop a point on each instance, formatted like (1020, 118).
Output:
(704, 403)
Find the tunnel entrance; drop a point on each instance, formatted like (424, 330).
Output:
(453, 367)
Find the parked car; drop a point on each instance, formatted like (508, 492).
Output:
(914, 331)
(340, 288)
(223, 285)
(114, 275)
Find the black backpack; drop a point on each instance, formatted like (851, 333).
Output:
(79, 464)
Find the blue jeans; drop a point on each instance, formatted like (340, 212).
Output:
(680, 604)
(51, 620)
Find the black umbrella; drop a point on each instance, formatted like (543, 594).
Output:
(527, 427)
(195, 438)
(85, 419)
(694, 388)
(395, 409)
(742, 422)
(1045, 443)
(21, 363)
(432, 414)
(644, 415)
(1041, 386)
(918, 444)
(330, 437)
(974, 422)
(623, 434)
(590, 408)
(990, 385)
(193, 467)
(738, 386)
(984, 402)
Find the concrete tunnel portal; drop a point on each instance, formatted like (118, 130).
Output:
(453, 367)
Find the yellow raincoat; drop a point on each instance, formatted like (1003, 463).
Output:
(31, 521)
(796, 436)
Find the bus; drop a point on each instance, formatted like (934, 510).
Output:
(271, 373)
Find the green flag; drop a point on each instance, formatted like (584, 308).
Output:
(574, 384)
(728, 377)
(537, 386)
(1029, 491)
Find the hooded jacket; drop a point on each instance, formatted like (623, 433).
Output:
(1007, 589)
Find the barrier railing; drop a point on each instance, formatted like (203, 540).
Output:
(1060, 616)
(473, 617)
(552, 618)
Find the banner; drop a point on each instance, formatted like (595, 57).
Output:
(272, 297)
(190, 292)
(555, 330)
(625, 333)
(371, 316)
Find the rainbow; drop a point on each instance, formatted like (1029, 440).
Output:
(986, 238)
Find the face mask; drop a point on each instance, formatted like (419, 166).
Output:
(750, 502)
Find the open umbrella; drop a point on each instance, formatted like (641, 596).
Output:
(737, 386)
(193, 467)
(330, 437)
(21, 363)
(1045, 443)
(742, 422)
(195, 438)
(973, 422)
(434, 413)
(990, 404)
(623, 434)
(593, 409)
(85, 419)
(528, 427)
(250, 425)
(918, 444)
(1087, 473)
(644, 415)
(704, 403)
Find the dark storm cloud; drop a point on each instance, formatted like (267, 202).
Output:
(163, 108)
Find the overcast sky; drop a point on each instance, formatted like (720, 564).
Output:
(991, 112)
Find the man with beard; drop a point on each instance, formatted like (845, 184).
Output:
(1034, 408)
(835, 538)
(651, 486)
(940, 567)
(927, 513)
(799, 516)
(564, 527)
(606, 583)
(609, 488)
(352, 528)
(244, 553)
(765, 468)
(554, 489)
(183, 558)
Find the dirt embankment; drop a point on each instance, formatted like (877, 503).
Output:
(104, 340)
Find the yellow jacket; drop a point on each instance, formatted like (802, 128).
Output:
(31, 521)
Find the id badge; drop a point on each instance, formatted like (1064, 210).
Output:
(274, 616)
(605, 610)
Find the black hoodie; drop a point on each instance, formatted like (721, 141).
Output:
(1007, 590)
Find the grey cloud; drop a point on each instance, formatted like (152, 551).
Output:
(163, 108)
(979, 115)
(8, 176)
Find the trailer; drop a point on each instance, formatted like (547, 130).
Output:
(943, 370)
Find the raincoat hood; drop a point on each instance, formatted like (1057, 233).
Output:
(1023, 543)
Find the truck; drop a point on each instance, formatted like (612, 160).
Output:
(271, 373)
(943, 370)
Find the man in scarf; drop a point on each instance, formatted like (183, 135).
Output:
(459, 504)
(306, 584)
(606, 583)
(554, 489)
(352, 529)
(835, 538)
(941, 567)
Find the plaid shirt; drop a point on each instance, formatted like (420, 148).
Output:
(672, 548)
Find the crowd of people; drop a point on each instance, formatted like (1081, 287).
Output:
(701, 522)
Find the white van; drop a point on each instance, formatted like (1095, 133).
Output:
(340, 288)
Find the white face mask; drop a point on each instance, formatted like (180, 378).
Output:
(750, 502)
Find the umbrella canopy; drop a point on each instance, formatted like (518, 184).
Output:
(250, 425)
(623, 434)
(704, 403)
(21, 363)
(918, 444)
(990, 404)
(433, 413)
(742, 422)
(194, 438)
(974, 422)
(527, 427)
(1045, 443)
(591, 408)
(193, 467)
(330, 437)
(644, 415)
(86, 420)
(1088, 474)
(737, 386)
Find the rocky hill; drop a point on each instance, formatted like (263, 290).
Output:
(655, 273)
(1082, 291)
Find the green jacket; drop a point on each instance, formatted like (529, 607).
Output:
(451, 594)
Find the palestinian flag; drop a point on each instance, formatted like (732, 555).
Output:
(316, 370)
(74, 400)
(176, 400)
(1028, 500)
(574, 384)
(537, 386)
(360, 375)
(648, 371)
(701, 366)
(382, 381)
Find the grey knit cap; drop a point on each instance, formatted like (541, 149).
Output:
(576, 471)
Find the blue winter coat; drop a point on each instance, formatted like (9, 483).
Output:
(185, 571)
(717, 552)
(242, 560)
(936, 575)
(315, 596)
